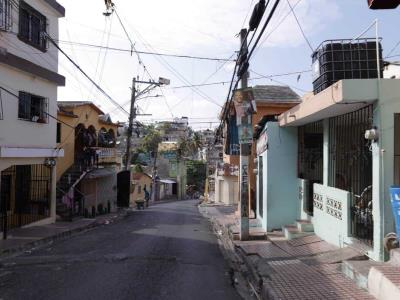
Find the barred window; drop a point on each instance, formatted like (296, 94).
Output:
(32, 25)
(5, 15)
(32, 108)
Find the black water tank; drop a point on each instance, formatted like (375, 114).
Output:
(335, 60)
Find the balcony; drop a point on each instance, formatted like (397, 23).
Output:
(107, 155)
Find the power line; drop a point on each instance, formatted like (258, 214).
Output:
(145, 52)
(301, 28)
(254, 78)
(280, 82)
(85, 74)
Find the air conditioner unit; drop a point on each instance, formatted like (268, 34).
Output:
(383, 4)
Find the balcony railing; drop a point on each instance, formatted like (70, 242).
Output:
(107, 155)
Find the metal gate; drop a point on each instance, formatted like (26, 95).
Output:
(124, 188)
(350, 167)
(25, 195)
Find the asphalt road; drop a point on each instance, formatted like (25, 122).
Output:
(165, 252)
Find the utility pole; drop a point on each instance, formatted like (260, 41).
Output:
(132, 116)
(245, 152)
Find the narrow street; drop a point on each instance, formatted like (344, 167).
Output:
(165, 252)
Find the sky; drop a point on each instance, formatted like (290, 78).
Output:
(205, 28)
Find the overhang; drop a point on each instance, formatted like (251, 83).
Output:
(342, 97)
(31, 68)
(56, 6)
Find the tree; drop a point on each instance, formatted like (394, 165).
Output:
(151, 139)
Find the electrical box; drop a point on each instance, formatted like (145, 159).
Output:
(383, 4)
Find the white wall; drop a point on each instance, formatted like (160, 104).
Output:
(20, 133)
(11, 42)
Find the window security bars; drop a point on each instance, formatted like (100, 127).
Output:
(32, 108)
(310, 159)
(5, 15)
(350, 167)
(25, 195)
(32, 26)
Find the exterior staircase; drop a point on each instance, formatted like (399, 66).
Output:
(301, 229)
(67, 181)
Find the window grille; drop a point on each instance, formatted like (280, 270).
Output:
(32, 108)
(32, 26)
(5, 15)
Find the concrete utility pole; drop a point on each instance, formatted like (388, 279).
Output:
(132, 116)
(245, 152)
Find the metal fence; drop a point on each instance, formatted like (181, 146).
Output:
(25, 195)
(5, 15)
(310, 158)
(350, 167)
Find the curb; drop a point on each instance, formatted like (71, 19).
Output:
(62, 235)
(237, 259)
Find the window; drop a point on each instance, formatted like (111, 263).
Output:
(32, 24)
(5, 15)
(32, 108)
(58, 132)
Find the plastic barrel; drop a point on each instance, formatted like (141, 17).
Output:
(395, 199)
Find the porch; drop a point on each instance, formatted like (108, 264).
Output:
(345, 192)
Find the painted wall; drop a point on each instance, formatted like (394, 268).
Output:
(86, 115)
(138, 185)
(227, 190)
(332, 214)
(21, 133)
(14, 45)
(280, 185)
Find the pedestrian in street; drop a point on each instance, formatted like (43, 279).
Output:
(146, 196)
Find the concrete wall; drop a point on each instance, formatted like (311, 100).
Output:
(332, 214)
(280, 184)
(14, 45)
(227, 190)
(21, 133)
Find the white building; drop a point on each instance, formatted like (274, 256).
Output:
(392, 70)
(28, 107)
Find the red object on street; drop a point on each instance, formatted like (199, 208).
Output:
(383, 4)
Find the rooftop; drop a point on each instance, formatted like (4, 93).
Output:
(275, 94)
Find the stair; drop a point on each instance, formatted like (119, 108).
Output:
(305, 226)
(69, 179)
(292, 232)
(301, 229)
(358, 271)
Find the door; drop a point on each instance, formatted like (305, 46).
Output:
(123, 188)
(174, 189)
(5, 202)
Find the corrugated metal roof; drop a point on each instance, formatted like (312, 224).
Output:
(275, 94)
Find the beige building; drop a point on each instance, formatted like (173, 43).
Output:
(87, 174)
(28, 94)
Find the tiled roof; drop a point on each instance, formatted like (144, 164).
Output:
(275, 93)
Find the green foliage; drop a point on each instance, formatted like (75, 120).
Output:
(151, 139)
(196, 174)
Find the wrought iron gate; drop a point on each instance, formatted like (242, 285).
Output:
(350, 167)
(25, 195)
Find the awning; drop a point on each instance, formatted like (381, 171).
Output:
(341, 98)
(99, 173)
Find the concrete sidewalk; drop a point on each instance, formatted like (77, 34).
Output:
(23, 239)
(303, 268)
